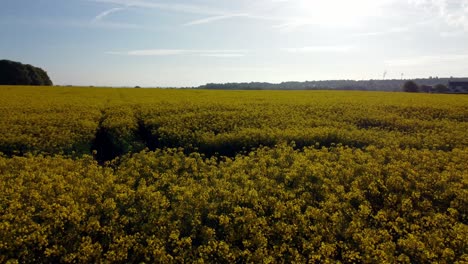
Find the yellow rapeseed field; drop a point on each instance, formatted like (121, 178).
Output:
(95, 175)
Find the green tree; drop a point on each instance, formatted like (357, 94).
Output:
(410, 87)
(12, 73)
(440, 88)
(15, 73)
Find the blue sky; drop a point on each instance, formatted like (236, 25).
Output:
(175, 43)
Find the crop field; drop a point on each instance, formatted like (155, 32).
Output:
(94, 175)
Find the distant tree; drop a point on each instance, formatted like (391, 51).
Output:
(364, 85)
(137, 86)
(16, 73)
(440, 88)
(410, 87)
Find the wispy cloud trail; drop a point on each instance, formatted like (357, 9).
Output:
(183, 8)
(106, 13)
(173, 52)
(320, 49)
(290, 15)
(213, 19)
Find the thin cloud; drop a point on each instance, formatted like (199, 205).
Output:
(319, 49)
(183, 8)
(106, 13)
(163, 52)
(384, 32)
(150, 52)
(74, 23)
(427, 60)
(453, 13)
(224, 55)
(213, 13)
(451, 34)
(286, 15)
(175, 52)
(291, 25)
(331, 13)
(110, 25)
(213, 19)
(304, 13)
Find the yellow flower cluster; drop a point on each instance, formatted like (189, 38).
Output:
(232, 176)
(117, 121)
(278, 204)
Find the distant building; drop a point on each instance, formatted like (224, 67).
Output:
(458, 87)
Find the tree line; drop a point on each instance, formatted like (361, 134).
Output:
(362, 85)
(16, 73)
(413, 87)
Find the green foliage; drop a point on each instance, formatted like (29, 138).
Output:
(410, 87)
(364, 85)
(15, 73)
(440, 88)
